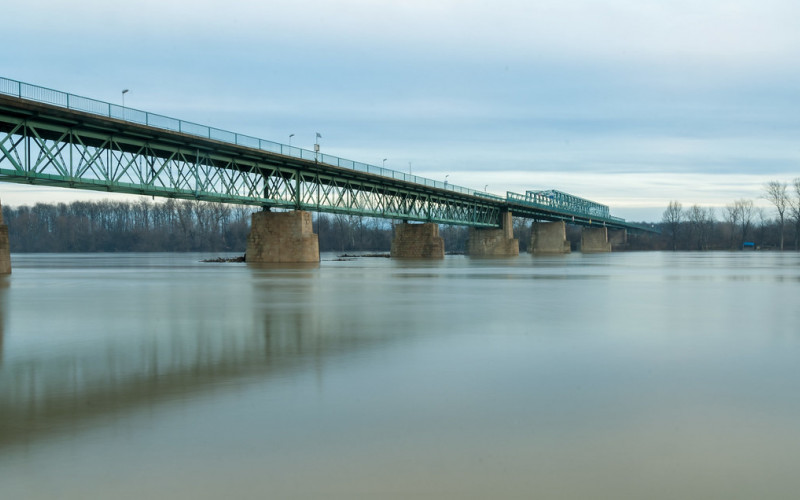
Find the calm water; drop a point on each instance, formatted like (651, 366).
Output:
(652, 375)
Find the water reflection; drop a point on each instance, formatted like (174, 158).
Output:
(3, 299)
(614, 376)
(281, 319)
(59, 391)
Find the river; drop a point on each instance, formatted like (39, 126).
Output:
(620, 376)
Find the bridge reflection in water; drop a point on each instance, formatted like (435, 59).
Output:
(189, 354)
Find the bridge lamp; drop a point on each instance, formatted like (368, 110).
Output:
(445, 180)
(290, 139)
(485, 188)
(124, 91)
(384, 162)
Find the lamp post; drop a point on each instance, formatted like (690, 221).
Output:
(124, 91)
(485, 188)
(384, 162)
(445, 180)
(290, 139)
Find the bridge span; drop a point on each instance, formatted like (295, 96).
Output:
(53, 138)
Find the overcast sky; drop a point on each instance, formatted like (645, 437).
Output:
(631, 103)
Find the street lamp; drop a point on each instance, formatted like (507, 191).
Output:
(384, 162)
(124, 91)
(485, 188)
(290, 139)
(445, 180)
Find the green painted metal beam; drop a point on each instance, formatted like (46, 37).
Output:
(53, 138)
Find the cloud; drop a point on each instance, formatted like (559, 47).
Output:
(732, 31)
(634, 196)
(605, 91)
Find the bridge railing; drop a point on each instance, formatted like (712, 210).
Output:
(542, 201)
(567, 201)
(79, 103)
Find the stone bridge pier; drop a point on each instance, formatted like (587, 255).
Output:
(282, 237)
(5, 249)
(549, 238)
(488, 242)
(595, 240)
(618, 238)
(417, 241)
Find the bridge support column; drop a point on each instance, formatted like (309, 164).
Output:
(618, 238)
(494, 242)
(595, 240)
(417, 241)
(282, 237)
(548, 238)
(5, 250)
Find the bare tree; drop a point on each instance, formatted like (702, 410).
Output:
(763, 222)
(775, 193)
(701, 222)
(672, 218)
(794, 210)
(746, 212)
(522, 231)
(732, 216)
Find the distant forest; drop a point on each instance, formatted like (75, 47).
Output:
(738, 225)
(169, 226)
(193, 226)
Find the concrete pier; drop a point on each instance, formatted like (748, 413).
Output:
(5, 249)
(595, 240)
(417, 241)
(494, 242)
(618, 238)
(548, 238)
(282, 237)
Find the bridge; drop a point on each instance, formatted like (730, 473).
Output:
(53, 138)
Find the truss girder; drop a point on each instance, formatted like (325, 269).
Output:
(36, 152)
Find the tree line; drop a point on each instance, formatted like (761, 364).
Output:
(169, 226)
(185, 226)
(738, 225)
(182, 226)
(122, 226)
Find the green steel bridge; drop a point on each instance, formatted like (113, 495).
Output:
(53, 138)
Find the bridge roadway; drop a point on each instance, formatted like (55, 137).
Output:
(48, 137)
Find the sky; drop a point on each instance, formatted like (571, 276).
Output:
(630, 103)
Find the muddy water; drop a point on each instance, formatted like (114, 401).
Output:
(652, 375)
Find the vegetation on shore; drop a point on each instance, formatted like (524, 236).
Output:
(186, 226)
(738, 225)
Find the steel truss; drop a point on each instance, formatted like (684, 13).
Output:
(34, 151)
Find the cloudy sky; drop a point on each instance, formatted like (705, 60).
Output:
(631, 103)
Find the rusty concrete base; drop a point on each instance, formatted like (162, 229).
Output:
(549, 238)
(595, 240)
(282, 237)
(5, 253)
(5, 249)
(618, 239)
(493, 242)
(417, 241)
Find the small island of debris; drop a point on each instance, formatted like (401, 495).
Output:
(225, 259)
